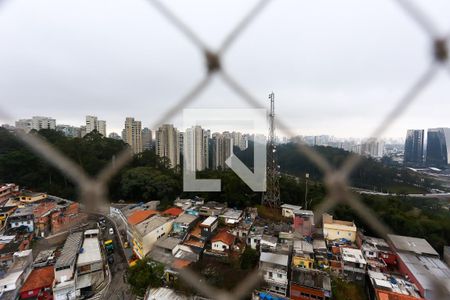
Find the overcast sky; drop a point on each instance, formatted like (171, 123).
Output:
(336, 67)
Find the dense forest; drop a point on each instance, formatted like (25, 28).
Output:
(147, 177)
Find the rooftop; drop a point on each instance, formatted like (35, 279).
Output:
(209, 221)
(352, 255)
(225, 237)
(290, 206)
(328, 220)
(163, 293)
(147, 226)
(168, 243)
(214, 204)
(173, 211)
(421, 266)
(303, 212)
(4, 209)
(301, 246)
(311, 278)
(70, 250)
(39, 278)
(141, 215)
(274, 258)
(23, 211)
(232, 214)
(412, 244)
(90, 253)
(185, 219)
(393, 284)
(319, 244)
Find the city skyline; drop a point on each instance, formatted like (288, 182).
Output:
(217, 129)
(56, 66)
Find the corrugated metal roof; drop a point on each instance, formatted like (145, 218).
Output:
(70, 250)
(412, 244)
(274, 258)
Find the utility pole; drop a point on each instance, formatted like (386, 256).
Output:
(306, 190)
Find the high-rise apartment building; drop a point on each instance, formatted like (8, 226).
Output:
(133, 134)
(24, 124)
(101, 127)
(414, 147)
(147, 139)
(372, 147)
(167, 144)
(221, 144)
(36, 123)
(92, 123)
(239, 140)
(438, 147)
(196, 149)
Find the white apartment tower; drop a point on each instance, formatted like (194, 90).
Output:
(132, 134)
(196, 148)
(167, 144)
(36, 123)
(92, 123)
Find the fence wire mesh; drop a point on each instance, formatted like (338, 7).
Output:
(93, 190)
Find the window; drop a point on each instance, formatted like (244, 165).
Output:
(279, 275)
(349, 234)
(338, 233)
(270, 274)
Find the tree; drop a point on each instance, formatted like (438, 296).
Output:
(145, 274)
(249, 258)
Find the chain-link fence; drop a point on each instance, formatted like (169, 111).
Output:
(93, 190)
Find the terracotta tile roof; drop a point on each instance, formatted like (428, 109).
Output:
(225, 237)
(180, 263)
(141, 215)
(173, 211)
(39, 278)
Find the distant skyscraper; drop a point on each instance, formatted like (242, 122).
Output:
(147, 139)
(133, 134)
(101, 127)
(167, 144)
(221, 149)
(239, 140)
(92, 123)
(196, 148)
(414, 146)
(438, 147)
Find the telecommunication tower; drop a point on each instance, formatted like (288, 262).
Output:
(271, 198)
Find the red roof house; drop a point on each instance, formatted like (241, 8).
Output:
(39, 284)
(141, 215)
(173, 211)
(222, 241)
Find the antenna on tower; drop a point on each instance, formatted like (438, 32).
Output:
(271, 198)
